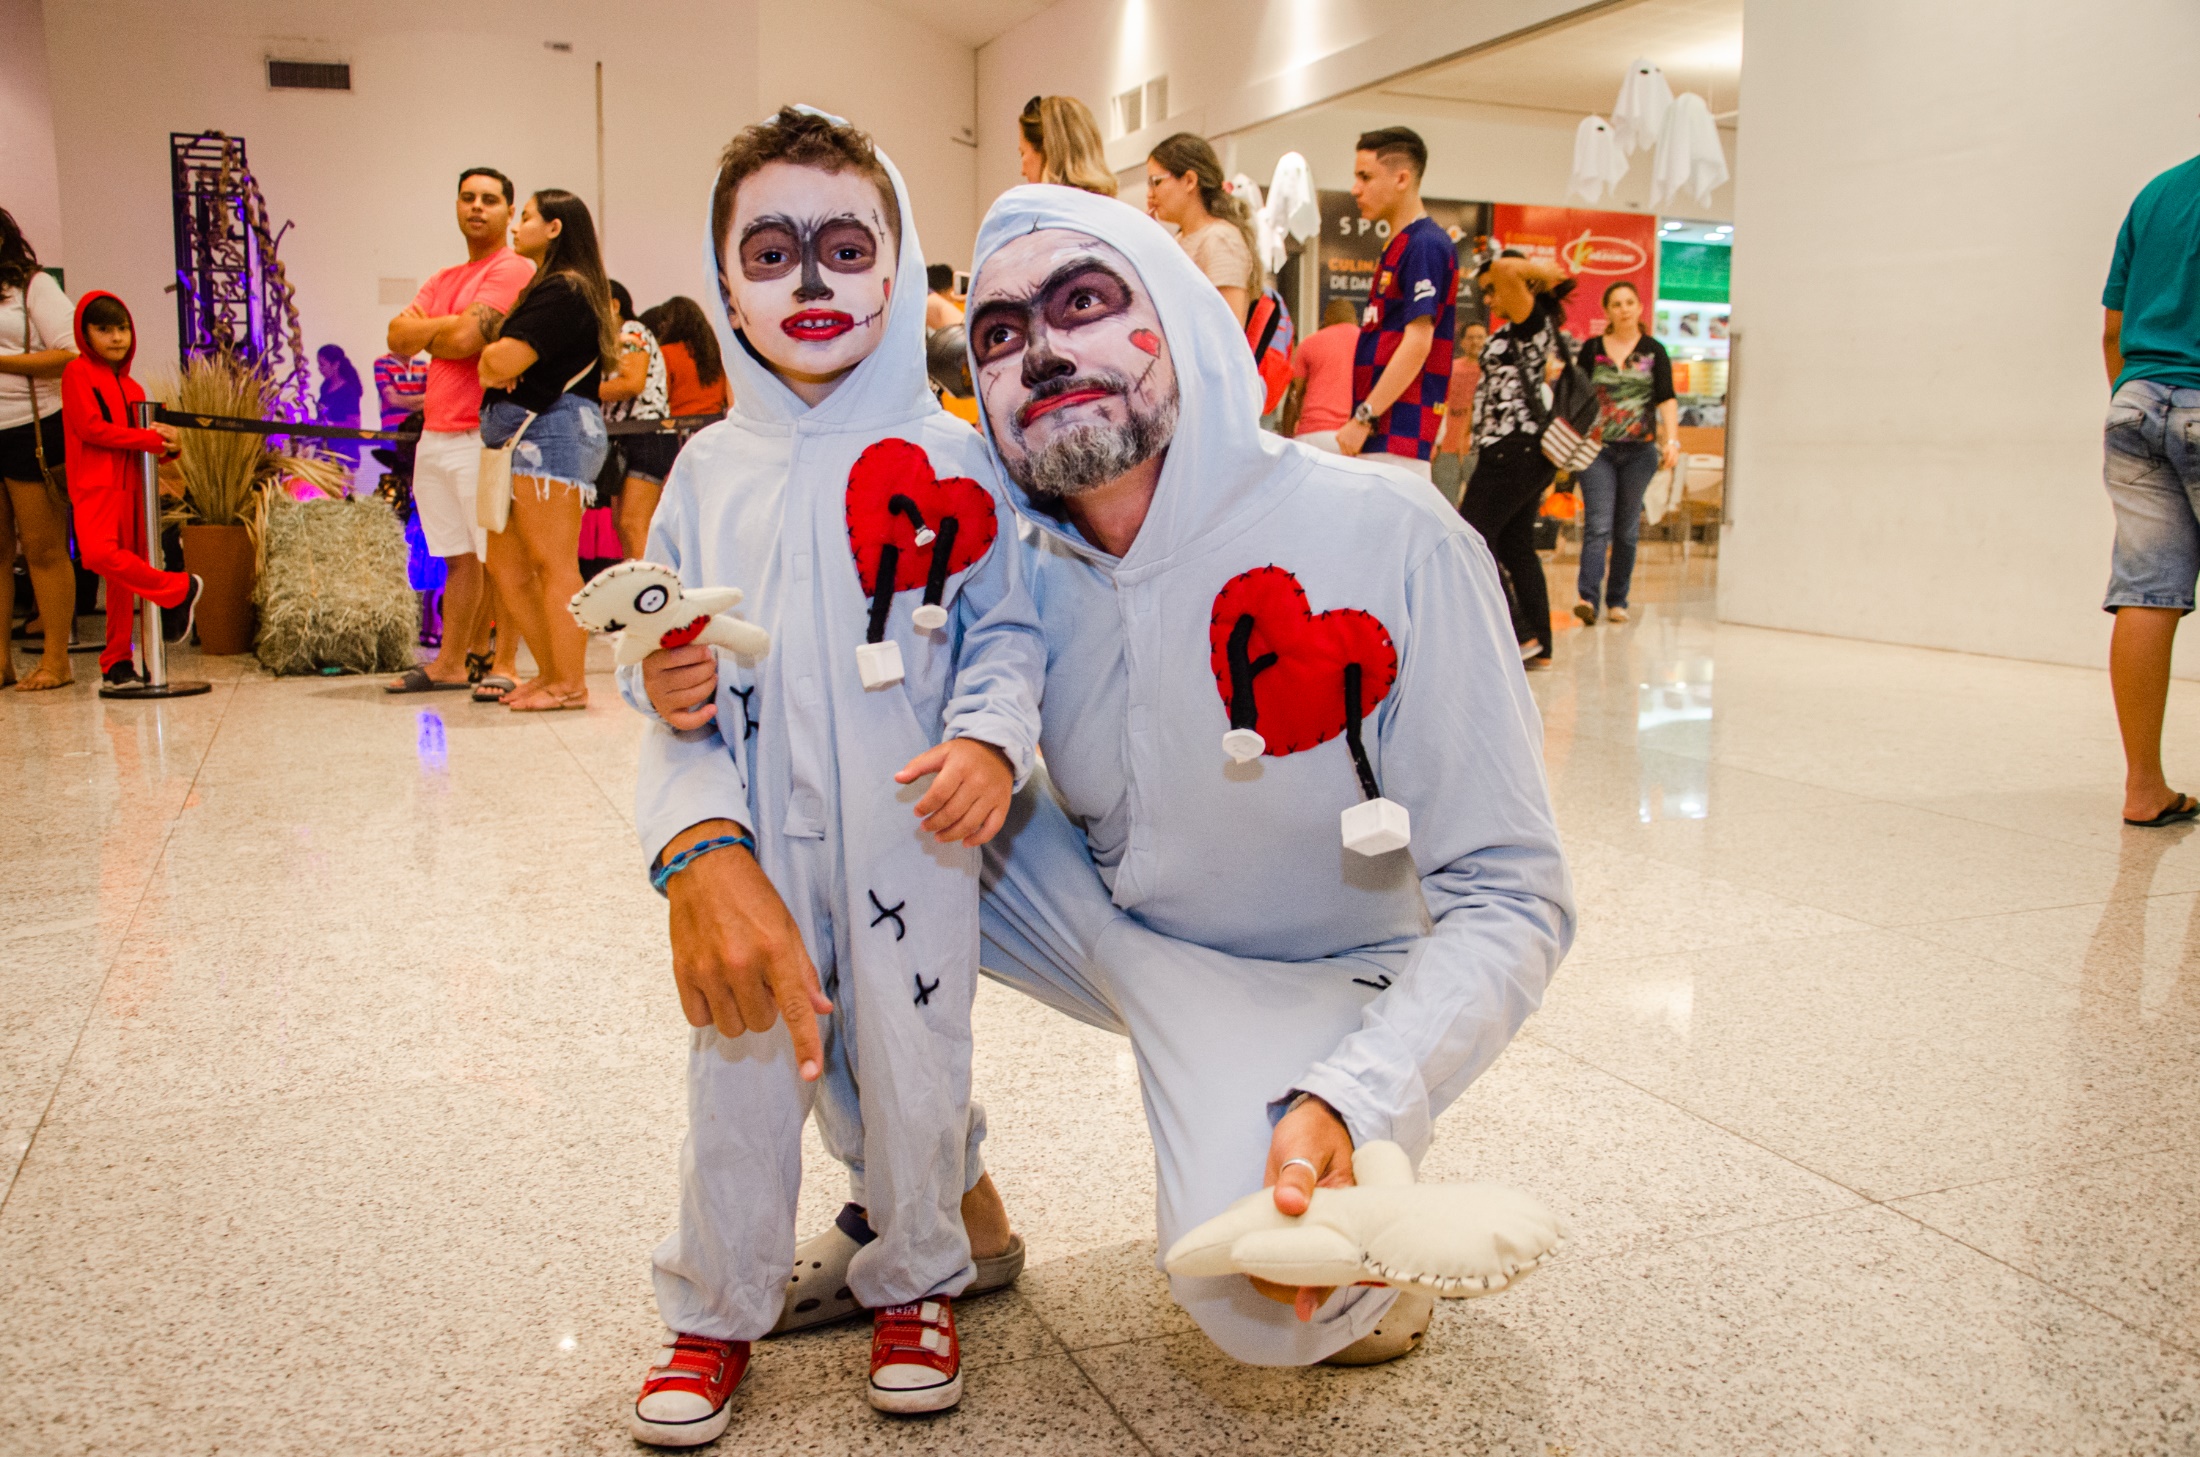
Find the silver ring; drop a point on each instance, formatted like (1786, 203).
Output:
(1308, 1164)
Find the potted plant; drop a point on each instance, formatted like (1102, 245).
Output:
(224, 481)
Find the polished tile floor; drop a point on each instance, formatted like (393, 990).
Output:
(340, 1090)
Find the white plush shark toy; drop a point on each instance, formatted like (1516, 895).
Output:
(645, 605)
(1451, 1240)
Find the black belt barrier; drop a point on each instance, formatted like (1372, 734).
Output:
(676, 425)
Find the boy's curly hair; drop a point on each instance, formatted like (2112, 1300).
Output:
(806, 140)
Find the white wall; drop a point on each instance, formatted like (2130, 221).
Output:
(1231, 64)
(30, 185)
(912, 88)
(1932, 195)
(369, 176)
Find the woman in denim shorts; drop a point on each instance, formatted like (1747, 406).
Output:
(542, 375)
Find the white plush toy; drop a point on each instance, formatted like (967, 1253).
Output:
(1451, 1240)
(644, 604)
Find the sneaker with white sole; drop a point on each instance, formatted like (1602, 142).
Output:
(689, 1399)
(176, 621)
(916, 1362)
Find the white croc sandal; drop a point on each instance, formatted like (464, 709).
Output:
(1398, 1333)
(818, 1294)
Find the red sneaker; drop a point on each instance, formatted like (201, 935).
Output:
(688, 1400)
(916, 1362)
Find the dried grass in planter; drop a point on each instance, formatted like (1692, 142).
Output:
(333, 591)
(222, 469)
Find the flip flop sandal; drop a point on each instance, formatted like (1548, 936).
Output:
(478, 666)
(492, 688)
(818, 1294)
(416, 680)
(2181, 809)
(555, 704)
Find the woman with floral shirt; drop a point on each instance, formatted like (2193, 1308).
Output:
(1636, 419)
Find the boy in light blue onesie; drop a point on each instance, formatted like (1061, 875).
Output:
(856, 517)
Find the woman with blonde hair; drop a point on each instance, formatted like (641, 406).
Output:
(1058, 141)
(1184, 186)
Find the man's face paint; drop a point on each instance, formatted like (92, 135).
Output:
(1073, 368)
(808, 268)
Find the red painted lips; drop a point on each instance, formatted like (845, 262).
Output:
(815, 326)
(1298, 699)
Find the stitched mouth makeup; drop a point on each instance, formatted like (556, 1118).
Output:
(817, 326)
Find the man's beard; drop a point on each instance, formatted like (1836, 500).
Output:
(1085, 457)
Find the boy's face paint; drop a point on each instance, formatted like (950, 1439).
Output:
(1068, 342)
(110, 342)
(808, 268)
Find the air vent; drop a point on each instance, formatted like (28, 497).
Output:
(309, 76)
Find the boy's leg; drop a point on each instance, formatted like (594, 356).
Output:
(111, 533)
(723, 1272)
(121, 615)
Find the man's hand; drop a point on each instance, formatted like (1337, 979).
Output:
(682, 684)
(1313, 1132)
(737, 955)
(1351, 435)
(969, 799)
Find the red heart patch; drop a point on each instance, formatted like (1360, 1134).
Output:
(891, 492)
(1293, 659)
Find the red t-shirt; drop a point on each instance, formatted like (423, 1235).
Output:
(688, 394)
(1324, 361)
(454, 385)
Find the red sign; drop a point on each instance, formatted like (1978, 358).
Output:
(1598, 248)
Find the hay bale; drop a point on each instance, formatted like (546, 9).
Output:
(333, 591)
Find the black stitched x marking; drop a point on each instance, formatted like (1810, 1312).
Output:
(748, 716)
(889, 912)
(924, 993)
(1381, 982)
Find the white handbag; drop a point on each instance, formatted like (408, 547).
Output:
(493, 486)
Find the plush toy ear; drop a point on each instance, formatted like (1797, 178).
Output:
(1206, 1250)
(1380, 1164)
(713, 599)
(1305, 1254)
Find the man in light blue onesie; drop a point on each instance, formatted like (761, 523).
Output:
(1246, 640)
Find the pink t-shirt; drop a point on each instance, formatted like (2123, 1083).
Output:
(454, 385)
(1324, 361)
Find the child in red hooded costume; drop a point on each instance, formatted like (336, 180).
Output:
(96, 395)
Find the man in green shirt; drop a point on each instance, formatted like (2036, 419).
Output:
(2152, 345)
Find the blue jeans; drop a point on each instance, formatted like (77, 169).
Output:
(2152, 470)
(1611, 496)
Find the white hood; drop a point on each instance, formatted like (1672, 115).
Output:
(1220, 455)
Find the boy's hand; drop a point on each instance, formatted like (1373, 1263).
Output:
(682, 684)
(168, 437)
(969, 799)
(737, 955)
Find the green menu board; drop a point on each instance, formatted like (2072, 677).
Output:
(1695, 273)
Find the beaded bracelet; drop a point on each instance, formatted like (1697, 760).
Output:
(693, 853)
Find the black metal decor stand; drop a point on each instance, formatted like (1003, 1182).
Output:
(151, 643)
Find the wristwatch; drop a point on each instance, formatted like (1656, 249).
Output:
(1362, 414)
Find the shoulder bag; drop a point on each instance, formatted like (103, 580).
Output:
(493, 487)
(46, 472)
(1567, 425)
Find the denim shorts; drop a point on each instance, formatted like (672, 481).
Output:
(2152, 469)
(565, 443)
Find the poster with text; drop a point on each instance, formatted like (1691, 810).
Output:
(1351, 246)
(1598, 248)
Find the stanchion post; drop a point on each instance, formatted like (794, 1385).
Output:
(151, 643)
(155, 647)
